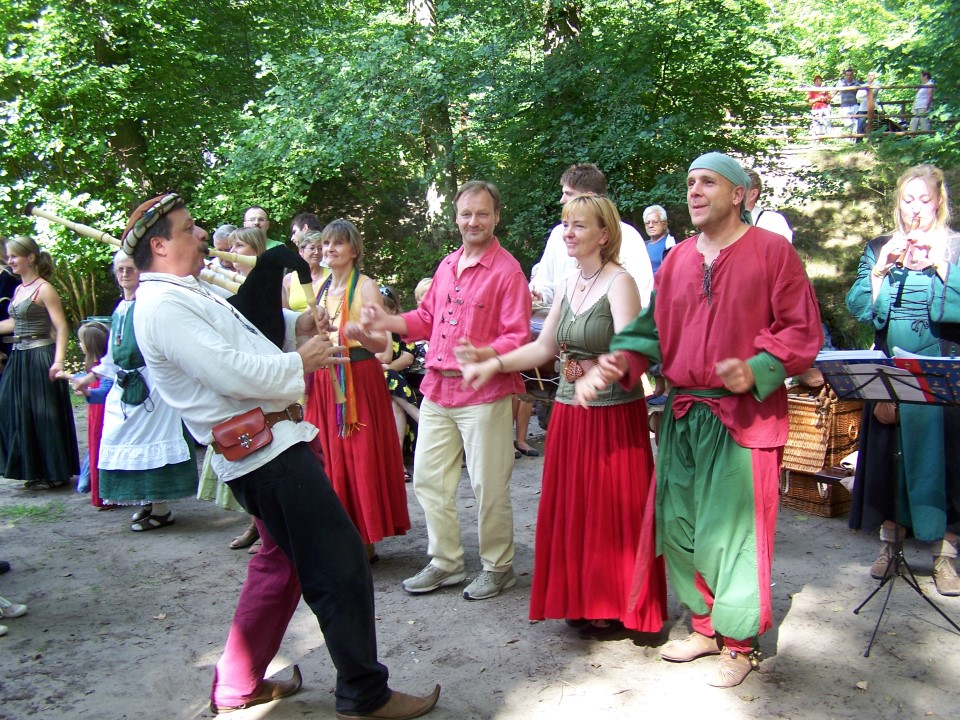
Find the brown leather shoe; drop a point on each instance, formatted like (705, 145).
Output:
(732, 668)
(400, 706)
(268, 691)
(945, 575)
(690, 648)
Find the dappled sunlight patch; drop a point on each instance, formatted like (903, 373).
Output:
(821, 270)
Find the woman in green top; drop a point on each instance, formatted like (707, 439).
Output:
(38, 439)
(598, 464)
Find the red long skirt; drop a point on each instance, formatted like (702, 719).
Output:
(597, 474)
(94, 432)
(366, 468)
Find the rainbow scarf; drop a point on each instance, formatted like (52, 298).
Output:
(347, 419)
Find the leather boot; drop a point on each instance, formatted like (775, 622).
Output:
(945, 567)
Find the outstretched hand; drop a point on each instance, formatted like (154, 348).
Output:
(466, 352)
(609, 368)
(478, 374)
(355, 331)
(372, 317)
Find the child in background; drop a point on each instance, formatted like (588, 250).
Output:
(420, 291)
(395, 359)
(93, 345)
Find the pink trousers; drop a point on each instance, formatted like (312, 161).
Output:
(267, 602)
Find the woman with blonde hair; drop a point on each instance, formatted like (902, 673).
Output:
(907, 288)
(598, 462)
(38, 439)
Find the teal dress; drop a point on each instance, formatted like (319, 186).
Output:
(917, 312)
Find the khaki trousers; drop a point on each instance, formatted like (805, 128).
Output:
(486, 433)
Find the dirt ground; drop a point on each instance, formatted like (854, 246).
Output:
(125, 625)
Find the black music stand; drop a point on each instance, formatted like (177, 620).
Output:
(930, 381)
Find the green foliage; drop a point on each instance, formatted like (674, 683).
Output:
(376, 110)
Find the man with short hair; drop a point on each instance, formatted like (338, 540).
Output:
(478, 307)
(301, 223)
(655, 222)
(222, 243)
(849, 105)
(309, 541)
(763, 218)
(922, 104)
(732, 315)
(256, 216)
(556, 264)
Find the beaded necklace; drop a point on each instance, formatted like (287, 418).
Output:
(593, 281)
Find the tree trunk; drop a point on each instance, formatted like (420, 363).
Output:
(440, 171)
(127, 142)
(561, 22)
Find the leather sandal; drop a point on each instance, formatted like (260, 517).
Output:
(152, 522)
(144, 512)
(245, 539)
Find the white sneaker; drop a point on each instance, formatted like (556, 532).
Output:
(3, 630)
(11, 610)
(431, 578)
(489, 584)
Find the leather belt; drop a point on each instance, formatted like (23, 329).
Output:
(293, 413)
(26, 338)
(360, 353)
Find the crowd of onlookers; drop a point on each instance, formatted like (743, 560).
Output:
(859, 102)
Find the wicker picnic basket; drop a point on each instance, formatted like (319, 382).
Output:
(817, 493)
(823, 430)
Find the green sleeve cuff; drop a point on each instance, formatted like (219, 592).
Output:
(768, 374)
(641, 335)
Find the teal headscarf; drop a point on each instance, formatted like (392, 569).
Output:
(731, 170)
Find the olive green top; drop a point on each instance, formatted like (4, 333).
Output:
(587, 336)
(30, 318)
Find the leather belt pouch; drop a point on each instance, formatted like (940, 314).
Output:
(241, 435)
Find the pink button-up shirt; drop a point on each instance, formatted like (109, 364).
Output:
(489, 304)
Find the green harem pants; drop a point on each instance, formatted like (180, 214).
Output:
(716, 518)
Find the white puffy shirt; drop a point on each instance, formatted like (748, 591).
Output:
(555, 264)
(210, 364)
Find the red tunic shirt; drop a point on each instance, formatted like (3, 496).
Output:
(760, 301)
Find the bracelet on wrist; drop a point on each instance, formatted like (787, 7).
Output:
(499, 362)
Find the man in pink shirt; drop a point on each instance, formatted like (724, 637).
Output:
(478, 307)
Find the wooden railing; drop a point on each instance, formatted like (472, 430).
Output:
(889, 110)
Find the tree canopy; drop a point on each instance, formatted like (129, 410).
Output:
(376, 110)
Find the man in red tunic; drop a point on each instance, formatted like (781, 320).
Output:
(733, 315)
